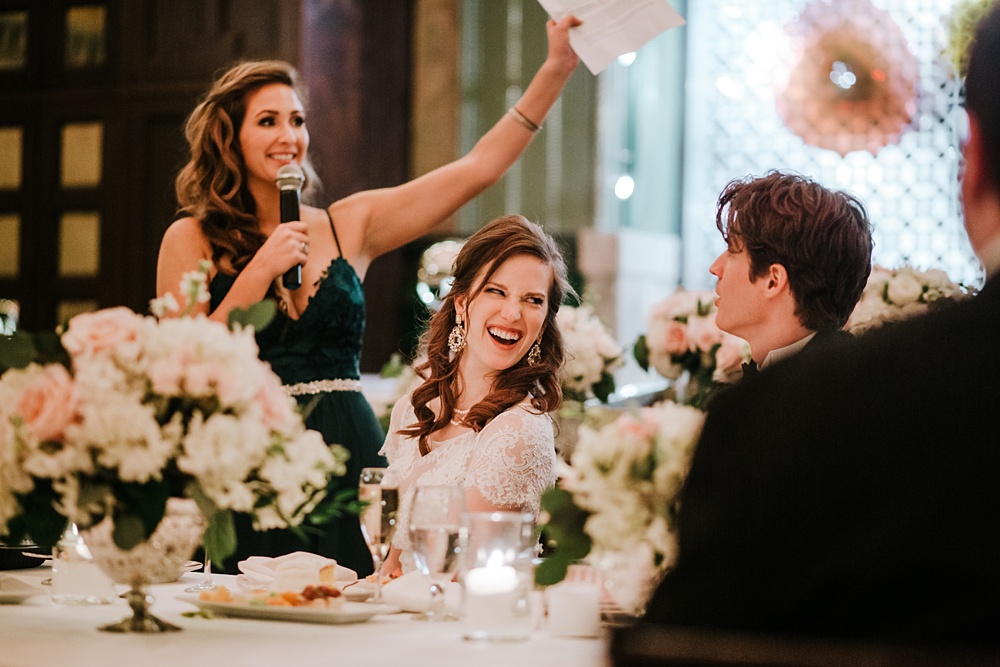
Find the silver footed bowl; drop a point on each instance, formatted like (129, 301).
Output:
(158, 559)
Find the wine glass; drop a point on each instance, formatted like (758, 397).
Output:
(378, 487)
(434, 524)
(206, 584)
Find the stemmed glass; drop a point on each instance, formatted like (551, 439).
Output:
(378, 487)
(206, 584)
(434, 524)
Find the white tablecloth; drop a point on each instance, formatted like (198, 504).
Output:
(38, 632)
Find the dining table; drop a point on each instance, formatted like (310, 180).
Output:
(35, 631)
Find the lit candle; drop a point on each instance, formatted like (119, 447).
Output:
(496, 603)
(491, 580)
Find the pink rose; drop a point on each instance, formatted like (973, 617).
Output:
(731, 354)
(675, 338)
(91, 334)
(704, 333)
(278, 407)
(48, 403)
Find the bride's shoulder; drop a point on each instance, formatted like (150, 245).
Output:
(521, 416)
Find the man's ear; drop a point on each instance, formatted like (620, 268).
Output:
(775, 279)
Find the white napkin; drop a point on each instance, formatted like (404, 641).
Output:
(258, 571)
(412, 592)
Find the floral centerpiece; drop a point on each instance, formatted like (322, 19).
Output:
(592, 354)
(895, 294)
(616, 501)
(122, 412)
(682, 338)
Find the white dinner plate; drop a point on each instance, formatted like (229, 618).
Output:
(351, 612)
(357, 593)
(13, 591)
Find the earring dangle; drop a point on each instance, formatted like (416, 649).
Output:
(535, 353)
(456, 339)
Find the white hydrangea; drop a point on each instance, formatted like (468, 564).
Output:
(891, 295)
(628, 475)
(591, 350)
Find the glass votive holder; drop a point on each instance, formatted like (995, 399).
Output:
(76, 578)
(497, 576)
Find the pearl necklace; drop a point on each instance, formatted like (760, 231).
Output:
(461, 415)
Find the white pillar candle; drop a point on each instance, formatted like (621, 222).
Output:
(574, 610)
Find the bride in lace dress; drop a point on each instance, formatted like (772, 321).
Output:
(480, 419)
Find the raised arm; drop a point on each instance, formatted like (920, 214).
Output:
(390, 217)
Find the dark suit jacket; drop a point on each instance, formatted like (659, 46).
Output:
(852, 493)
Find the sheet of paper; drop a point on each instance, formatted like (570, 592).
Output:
(612, 27)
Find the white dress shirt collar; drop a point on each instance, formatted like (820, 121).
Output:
(777, 355)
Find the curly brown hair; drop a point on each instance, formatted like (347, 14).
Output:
(823, 239)
(212, 186)
(480, 257)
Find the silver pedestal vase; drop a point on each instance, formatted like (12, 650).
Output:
(157, 559)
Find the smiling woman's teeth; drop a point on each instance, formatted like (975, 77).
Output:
(505, 337)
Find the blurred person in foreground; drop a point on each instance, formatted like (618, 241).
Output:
(852, 495)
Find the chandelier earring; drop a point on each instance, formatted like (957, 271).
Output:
(535, 353)
(456, 339)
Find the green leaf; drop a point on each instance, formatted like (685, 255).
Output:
(258, 316)
(39, 522)
(605, 387)
(17, 350)
(641, 352)
(552, 570)
(342, 503)
(220, 537)
(146, 501)
(568, 539)
(129, 531)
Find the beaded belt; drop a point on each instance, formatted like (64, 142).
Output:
(322, 386)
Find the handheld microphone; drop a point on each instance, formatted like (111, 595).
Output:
(290, 179)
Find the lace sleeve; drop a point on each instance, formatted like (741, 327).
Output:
(513, 461)
(390, 448)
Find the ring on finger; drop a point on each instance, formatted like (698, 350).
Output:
(305, 247)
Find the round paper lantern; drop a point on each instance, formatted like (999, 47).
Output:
(854, 82)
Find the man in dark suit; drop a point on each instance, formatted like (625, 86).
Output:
(854, 494)
(796, 261)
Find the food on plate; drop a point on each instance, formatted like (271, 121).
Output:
(311, 595)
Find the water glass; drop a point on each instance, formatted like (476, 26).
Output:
(498, 575)
(434, 527)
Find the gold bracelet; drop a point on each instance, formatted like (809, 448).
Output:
(523, 120)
